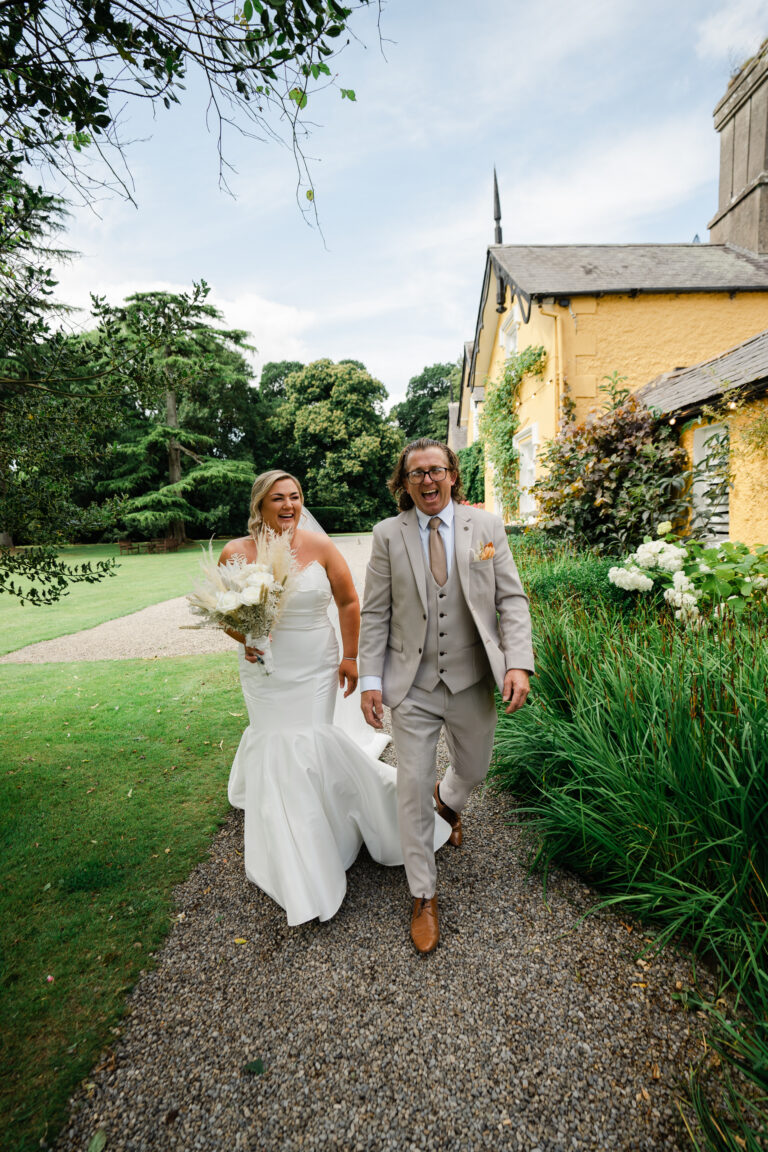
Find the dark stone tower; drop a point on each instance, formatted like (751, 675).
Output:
(741, 118)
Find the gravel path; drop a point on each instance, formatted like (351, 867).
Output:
(529, 1029)
(151, 632)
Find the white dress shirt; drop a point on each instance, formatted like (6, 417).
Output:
(373, 683)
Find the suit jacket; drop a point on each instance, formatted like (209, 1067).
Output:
(394, 615)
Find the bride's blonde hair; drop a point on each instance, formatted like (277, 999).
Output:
(261, 487)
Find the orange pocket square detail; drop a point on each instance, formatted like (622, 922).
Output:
(486, 552)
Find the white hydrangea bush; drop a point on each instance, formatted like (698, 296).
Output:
(723, 578)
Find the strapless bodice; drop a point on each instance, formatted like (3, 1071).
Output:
(306, 606)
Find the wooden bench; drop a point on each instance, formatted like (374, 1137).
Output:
(168, 544)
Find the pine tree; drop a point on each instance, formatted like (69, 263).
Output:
(186, 458)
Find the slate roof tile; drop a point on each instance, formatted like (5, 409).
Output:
(745, 366)
(584, 269)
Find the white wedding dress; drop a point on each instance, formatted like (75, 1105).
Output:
(312, 789)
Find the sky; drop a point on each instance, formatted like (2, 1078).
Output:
(597, 116)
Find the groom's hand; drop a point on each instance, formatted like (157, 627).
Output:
(373, 709)
(517, 685)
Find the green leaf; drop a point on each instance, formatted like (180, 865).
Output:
(252, 1068)
(299, 96)
(97, 1141)
(349, 93)
(247, 10)
(310, 194)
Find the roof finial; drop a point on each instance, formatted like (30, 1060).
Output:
(496, 209)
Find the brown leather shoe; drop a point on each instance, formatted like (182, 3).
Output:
(425, 931)
(453, 818)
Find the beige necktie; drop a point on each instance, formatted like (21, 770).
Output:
(437, 561)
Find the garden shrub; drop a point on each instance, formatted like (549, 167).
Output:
(611, 479)
(641, 762)
(552, 570)
(727, 577)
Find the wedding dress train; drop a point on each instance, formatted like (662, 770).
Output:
(312, 790)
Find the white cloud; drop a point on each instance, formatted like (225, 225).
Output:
(605, 192)
(734, 32)
(278, 331)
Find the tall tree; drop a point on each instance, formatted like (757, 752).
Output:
(274, 375)
(273, 447)
(67, 67)
(48, 409)
(341, 445)
(424, 412)
(186, 457)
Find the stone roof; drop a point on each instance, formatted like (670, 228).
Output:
(587, 269)
(745, 366)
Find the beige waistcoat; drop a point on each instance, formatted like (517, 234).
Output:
(453, 651)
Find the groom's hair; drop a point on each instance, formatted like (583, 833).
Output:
(396, 483)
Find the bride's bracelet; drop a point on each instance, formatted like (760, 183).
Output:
(349, 658)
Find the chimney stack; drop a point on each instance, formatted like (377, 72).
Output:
(741, 118)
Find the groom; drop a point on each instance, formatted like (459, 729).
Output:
(444, 616)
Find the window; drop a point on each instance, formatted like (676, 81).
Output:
(711, 490)
(509, 334)
(526, 443)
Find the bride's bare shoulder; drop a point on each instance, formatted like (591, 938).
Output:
(243, 546)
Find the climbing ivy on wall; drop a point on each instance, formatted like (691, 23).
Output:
(500, 421)
(472, 467)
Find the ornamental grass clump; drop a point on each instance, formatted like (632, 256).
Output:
(641, 762)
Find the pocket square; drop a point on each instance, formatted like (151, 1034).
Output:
(485, 552)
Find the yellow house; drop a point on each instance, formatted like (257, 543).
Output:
(639, 310)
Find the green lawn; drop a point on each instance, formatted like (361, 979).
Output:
(140, 581)
(112, 783)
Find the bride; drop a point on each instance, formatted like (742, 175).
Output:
(311, 794)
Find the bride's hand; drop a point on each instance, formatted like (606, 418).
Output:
(252, 655)
(348, 675)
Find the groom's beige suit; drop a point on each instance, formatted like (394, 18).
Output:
(438, 650)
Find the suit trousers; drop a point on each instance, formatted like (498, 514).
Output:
(469, 718)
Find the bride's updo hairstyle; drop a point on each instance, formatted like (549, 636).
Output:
(261, 487)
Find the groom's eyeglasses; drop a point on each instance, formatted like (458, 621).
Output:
(418, 474)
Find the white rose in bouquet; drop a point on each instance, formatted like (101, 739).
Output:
(228, 601)
(247, 597)
(253, 595)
